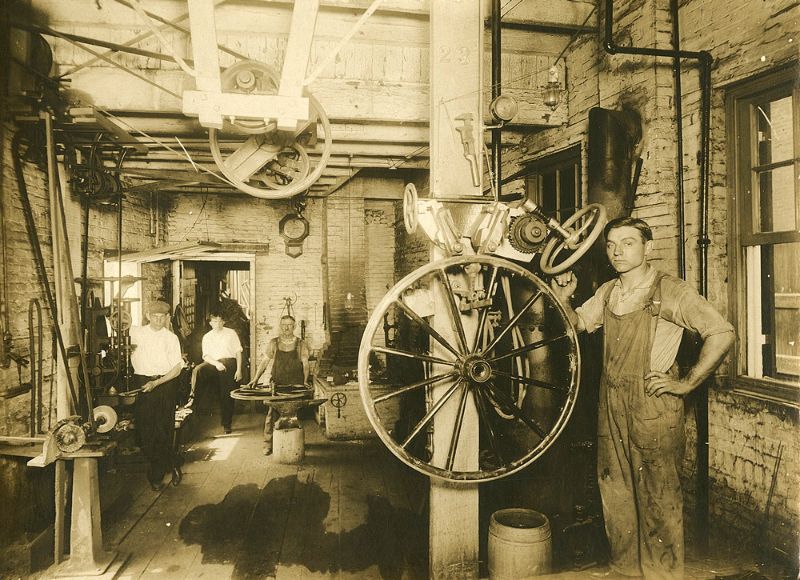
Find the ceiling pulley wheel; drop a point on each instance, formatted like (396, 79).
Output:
(450, 362)
(254, 156)
(250, 77)
(583, 227)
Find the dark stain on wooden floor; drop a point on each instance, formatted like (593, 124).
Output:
(247, 527)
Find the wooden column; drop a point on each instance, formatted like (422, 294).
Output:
(456, 48)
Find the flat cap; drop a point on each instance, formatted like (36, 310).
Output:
(158, 307)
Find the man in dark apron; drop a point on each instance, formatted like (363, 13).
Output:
(640, 422)
(289, 356)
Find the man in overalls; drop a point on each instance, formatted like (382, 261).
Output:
(641, 424)
(289, 356)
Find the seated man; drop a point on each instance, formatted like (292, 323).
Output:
(289, 367)
(222, 365)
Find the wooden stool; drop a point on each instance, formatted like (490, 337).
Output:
(288, 445)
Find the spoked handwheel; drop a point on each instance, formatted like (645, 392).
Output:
(583, 227)
(257, 158)
(443, 359)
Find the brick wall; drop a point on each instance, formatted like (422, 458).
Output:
(747, 38)
(242, 218)
(744, 38)
(22, 284)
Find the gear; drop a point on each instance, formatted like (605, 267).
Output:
(526, 232)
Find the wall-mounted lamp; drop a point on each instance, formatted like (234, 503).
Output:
(552, 91)
(349, 302)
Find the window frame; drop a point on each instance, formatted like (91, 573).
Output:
(534, 169)
(741, 151)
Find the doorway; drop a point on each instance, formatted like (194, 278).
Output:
(207, 284)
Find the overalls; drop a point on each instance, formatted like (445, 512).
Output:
(639, 449)
(287, 369)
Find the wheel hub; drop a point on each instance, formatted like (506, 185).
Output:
(476, 369)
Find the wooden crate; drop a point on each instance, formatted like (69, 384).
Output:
(349, 421)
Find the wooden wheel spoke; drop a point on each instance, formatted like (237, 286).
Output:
(513, 321)
(414, 386)
(414, 355)
(454, 311)
(527, 348)
(462, 405)
(483, 412)
(531, 382)
(428, 328)
(510, 407)
(429, 415)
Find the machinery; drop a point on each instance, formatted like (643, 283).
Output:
(505, 349)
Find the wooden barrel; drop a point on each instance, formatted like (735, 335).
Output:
(519, 544)
(288, 445)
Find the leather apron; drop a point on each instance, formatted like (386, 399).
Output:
(287, 369)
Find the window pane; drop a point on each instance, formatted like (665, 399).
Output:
(773, 303)
(566, 195)
(549, 193)
(776, 200)
(774, 122)
(787, 309)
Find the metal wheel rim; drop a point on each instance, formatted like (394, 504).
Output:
(557, 243)
(421, 464)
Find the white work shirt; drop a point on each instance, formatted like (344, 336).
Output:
(222, 343)
(156, 352)
(681, 307)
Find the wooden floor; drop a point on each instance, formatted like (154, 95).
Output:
(350, 510)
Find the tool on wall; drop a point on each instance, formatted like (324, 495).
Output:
(468, 142)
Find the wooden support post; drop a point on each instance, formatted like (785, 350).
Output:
(456, 50)
(298, 52)
(206, 60)
(87, 557)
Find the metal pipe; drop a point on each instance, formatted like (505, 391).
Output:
(35, 355)
(677, 96)
(497, 139)
(5, 317)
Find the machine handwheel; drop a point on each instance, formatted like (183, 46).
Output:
(584, 227)
(249, 153)
(410, 217)
(443, 361)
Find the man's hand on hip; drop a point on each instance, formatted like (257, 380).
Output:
(663, 383)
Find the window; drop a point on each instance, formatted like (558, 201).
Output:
(764, 150)
(554, 183)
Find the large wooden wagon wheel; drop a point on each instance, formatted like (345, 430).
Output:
(444, 359)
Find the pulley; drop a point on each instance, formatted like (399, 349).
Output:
(105, 418)
(69, 435)
(253, 154)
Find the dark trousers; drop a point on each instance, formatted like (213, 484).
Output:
(155, 426)
(222, 382)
